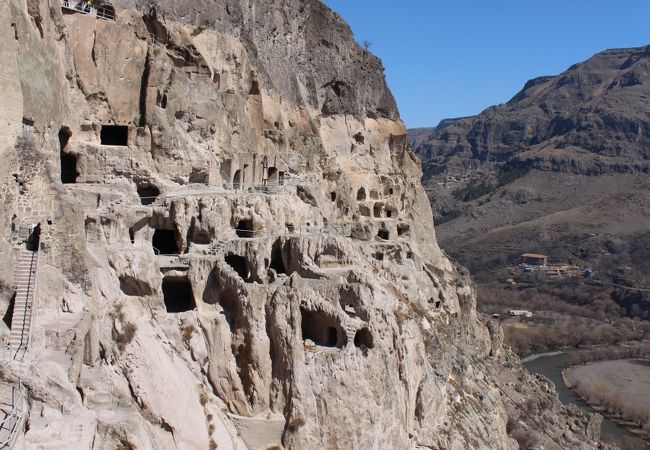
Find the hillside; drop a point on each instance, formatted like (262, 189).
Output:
(561, 169)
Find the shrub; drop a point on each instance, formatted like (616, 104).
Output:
(474, 189)
(124, 337)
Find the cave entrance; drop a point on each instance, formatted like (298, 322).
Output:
(236, 180)
(245, 228)
(321, 329)
(377, 209)
(403, 229)
(239, 264)
(69, 172)
(114, 135)
(363, 339)
(277, 263)
(274, 176)
(164, 242)
(361, 194)
(34, 238)
(7, 318)
(148, 193)
(333, 196)
(383, 234)
(178, 294)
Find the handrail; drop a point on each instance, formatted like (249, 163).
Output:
(42, 372)
(34, 367)
(29, 309)
(101, 12)
(15, 415)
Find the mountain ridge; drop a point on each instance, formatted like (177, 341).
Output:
(564, 147)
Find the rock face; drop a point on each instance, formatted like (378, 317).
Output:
(591, 119)
(235, 249)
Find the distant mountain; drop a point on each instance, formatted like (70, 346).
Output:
(561, 168)
(418, 136)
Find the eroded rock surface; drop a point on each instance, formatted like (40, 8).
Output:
(236, 251)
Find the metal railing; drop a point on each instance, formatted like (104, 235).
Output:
(84, 7)
(9, 425)
(28, 313)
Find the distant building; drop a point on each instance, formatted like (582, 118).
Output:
(520, 313)
(534, 259)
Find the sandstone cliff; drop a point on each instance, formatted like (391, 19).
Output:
(235, 250)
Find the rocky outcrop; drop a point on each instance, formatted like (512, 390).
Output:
(236, 249)
(592, 119)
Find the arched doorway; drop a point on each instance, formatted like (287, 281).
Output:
(273, 176)
(236, 180)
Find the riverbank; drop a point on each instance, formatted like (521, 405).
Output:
(619, 390)
(530, 358)
(551, 367)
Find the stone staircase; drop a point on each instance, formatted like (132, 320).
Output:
(21, 322)
(13, 397)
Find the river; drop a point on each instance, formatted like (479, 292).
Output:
(551, 367)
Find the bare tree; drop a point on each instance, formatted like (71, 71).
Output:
(366, 44)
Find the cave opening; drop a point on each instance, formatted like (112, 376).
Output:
(277, 263)
(240, 265)
(178, 294)
(7, 318)
(377, 209)
(131, 286)
(69, 172)
(165, 243)
(383, 234)
(34, 238)
(333, 196)
(403, 229)
(361, 194)
(114, 135)
(255, 88)
(237, 180)
(245, 228)
(321, 329)
(273, 176)
(363, 339)
(148, 193)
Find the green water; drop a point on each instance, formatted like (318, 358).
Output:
(551, 367)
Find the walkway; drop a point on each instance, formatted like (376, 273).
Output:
(13, 397)
(83, 7)
(13, 404)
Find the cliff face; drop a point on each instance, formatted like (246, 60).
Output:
(592, 119)
(235, 250)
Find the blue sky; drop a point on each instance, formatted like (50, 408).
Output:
(448, 58)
